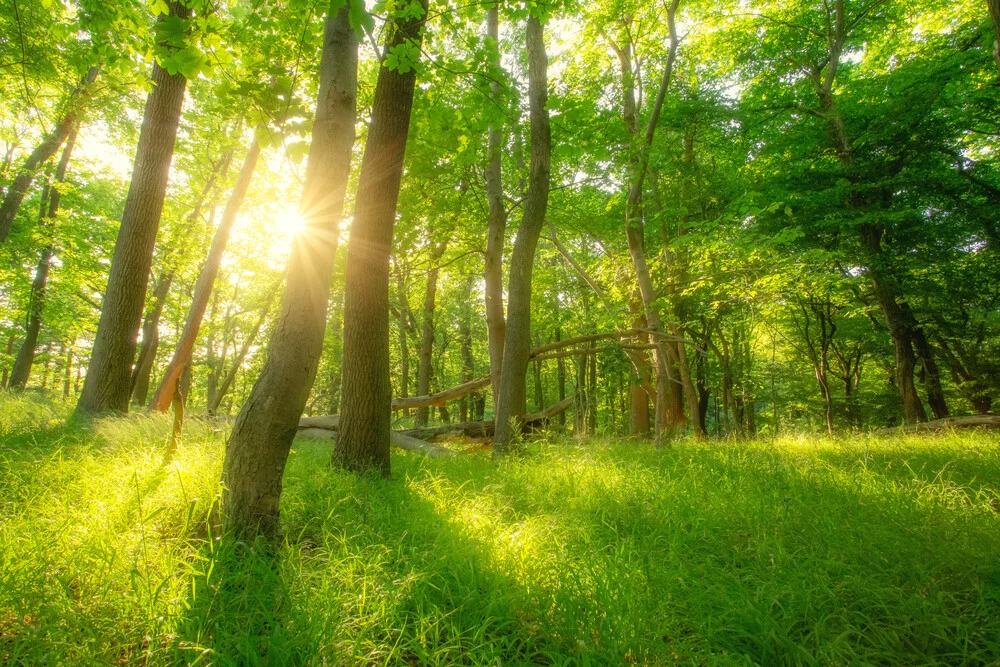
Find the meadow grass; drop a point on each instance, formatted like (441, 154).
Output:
(800, 550)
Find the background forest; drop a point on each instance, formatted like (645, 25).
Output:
(458, 227)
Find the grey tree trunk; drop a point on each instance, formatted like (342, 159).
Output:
(363, 440)
(517, 346)
(262, 435)
(425, 366)
(496, 324)
(107, 384)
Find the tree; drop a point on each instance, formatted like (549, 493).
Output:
(258, 446)
(363, 439)
(517, 345)
(107, 385)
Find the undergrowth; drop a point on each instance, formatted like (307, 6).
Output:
(801, 550)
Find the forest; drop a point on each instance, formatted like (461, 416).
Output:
(432, 332)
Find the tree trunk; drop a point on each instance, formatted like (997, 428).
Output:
(150, 340)
(107, 385)
(6, 369)
(496, 325)
(517, 346)
(68, 370)
(994, 6)
(262, 435)
(899, 326)
(561, 380)
(42, 153)
(206, 281)
(425, 367)
(931, 374)
(227, 381)
(468, 362)
(366, 395)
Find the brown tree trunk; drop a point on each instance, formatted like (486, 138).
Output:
(931, 374)
(900, 329)
(468, 362)
(262, 435)
(206, 280)
(496, 325)
(994, 7)
(363, 442)
(42, 153)
(425, 367)
(561, 380)
(517, 346)
(227, 381)
(143, 369)
(107, 385)
(640, 379)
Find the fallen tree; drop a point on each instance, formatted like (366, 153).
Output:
(396, 439)
(484, 429)
(984, 421)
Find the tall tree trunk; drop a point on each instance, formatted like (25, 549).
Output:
(6, 368)
(206, 280)
(262, 435)
(107, 385)
(43, 152)
(561, 380)
(931, 374)
(994, 7)
(425, 367)
(143, 369)
(638, 161)
(517, 346)
(363, 439)
(496, 325)
(592, 391)
(468, 362)
(47, 215)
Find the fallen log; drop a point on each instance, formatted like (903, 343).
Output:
(986, 421)
(484, 429)
(439, 399)
(397, 439)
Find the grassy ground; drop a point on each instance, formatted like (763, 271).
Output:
(799, 551)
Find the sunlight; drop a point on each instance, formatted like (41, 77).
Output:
(288, 223)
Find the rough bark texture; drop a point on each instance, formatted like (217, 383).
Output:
(206, 280)
(42, 153)
(107, 385)
(262, 435)
(50, 206)
(517, 346)
(366, 395)
(496, 324)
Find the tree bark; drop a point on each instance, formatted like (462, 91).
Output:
(366, 395)
(425, 367)
(107, 384)
(206, 281)
(517, 346)
(43, 152)
(49, 209)
(994, 7)
(265, 426)
(468, 362)
(496, 324)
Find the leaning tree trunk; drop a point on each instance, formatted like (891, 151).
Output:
(363, 441)
(932, 376)
(143, 369)
(50, 206)
(496, 324)
(45, 150)
(262, 435)
(517, 346)
(425, 366)
(206, 280)
(107, 385)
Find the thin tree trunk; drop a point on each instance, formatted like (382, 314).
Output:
(262, 435)
(206, 280)
(150, 340)
(227, 381)
(68, 370)
(363, 442)
(425, 367)
(994, 7)
(6, 369)
(517, 346)
(107, 385)
(496, 325)
(561, 380)
(43, 152)
(468, 362)
(49, 209)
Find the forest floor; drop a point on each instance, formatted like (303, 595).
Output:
(801, 550)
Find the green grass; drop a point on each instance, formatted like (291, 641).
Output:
(797, 551)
